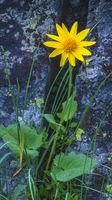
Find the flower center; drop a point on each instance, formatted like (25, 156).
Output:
(69, 45)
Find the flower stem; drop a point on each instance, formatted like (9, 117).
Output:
(61, 121)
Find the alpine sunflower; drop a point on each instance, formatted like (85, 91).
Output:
(69, 44)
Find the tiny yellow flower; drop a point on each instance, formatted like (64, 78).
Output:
(69, 44)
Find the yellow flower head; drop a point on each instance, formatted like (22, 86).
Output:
(69, 44)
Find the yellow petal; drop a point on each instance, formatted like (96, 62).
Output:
(54, 37)
(84, 52)
(73, 30)
(81, 35)
(52, 44)
(71, 59)
(64, 56)
(56, 52)
(60, 31)
(65, 29)
(78, 55)
(87, 43)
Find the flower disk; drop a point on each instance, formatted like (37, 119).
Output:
(69, 44)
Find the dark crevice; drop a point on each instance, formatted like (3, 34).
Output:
(71, 11)
(75, 11)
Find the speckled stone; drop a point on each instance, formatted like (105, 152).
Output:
(23, 25)
(100, 65)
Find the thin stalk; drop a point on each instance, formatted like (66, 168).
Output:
(92, 189)
(3, 197)
(59, 103)
(61, 121)
(16, 102)
(44, 154)
(91, 100)
(30, 184)
(59, 93)
(28, 82)
(56, 78)
(51, 140)
(56, 194)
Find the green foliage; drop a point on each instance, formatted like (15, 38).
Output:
(32, 187)
(79, 134)
(53, 175)
(109, 188)
(32, 139)
(72, 125)
(69, 166)
(69, 109)
(50, 118)
(39, 102)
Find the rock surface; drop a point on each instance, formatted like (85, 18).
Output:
(100, 13)
(23, 25)
(23, 28)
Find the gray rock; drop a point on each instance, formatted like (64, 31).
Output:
(100, 13)
(23, 25)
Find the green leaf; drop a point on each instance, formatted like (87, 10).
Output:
(72, 124)
(109, 188)
(50, 118)
(79, 134)
(32, 139)
(69, 109)
(76, 197)
(69, 166)
(21, 145)
(3, 131)
(4, 157)
(39, 102)
(32, 186)
(16, 192)
(87, 61)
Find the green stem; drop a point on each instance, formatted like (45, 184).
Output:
(51, 88)
(29, 78)
(61, 121)
(60, 90)
(70, 82)
(54, 111)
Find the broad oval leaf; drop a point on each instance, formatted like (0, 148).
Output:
(32, 139)
(69, 166)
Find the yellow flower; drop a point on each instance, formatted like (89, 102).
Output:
(69, 44)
